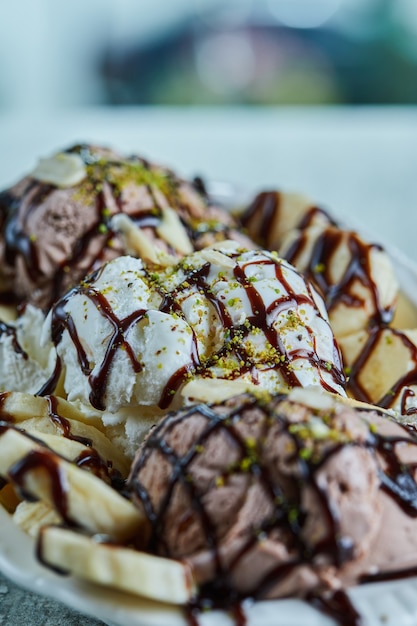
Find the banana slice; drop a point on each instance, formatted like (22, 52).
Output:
(68, 437)
(51, 415)
(382, 366)
(77, 495)
(32, 516)
(122, 568)
(272, 214)
(7, 313)
(17, 406)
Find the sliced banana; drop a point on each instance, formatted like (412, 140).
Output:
(7, 313)
(382, 365)
(19, 406)
(77, 495)
(122, 568)
(215, 390)
(44, 416)
(32, 516)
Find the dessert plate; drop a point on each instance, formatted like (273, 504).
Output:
(380, 604)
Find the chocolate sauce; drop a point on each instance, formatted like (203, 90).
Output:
(358, 270)
(42, 459)
(396, 479)
(5, 415)
(264, 212)
(107, 174)
(61, 321)
(338, 606)
(88, 459)
(11, 331)
(234, 343)
(63, 423)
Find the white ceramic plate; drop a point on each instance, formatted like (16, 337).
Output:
(380, 604)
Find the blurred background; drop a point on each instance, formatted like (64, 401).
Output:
(207, 52)
(304, 95)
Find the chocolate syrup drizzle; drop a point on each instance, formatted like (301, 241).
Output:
(396, 479)
(358, 269)
(11, 331)
(20, 244)
(234, 344)
(88, 458)
(262, 214)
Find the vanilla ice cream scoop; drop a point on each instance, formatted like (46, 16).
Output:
(133, 335)
(24, 364)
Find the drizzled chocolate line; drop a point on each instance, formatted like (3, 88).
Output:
(11, 331)
(63, 423)
(89, 459)
(18, 242)
(5, 415)
(61, 321)
(263, 213)
(397, 480)
(401, 385)
(319, 267)
(41, 458)
(267, 205)
(234, 343)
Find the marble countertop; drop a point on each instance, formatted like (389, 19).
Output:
(361, 163)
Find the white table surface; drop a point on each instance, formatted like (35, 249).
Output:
(362, 162)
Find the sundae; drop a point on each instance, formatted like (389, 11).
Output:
(224, 404)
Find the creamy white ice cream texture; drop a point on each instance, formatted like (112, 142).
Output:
(132, 336)
(24, 364)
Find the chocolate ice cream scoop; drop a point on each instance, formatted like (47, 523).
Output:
(280, 496)
(87, 205)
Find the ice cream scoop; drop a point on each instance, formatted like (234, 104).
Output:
(131, 337)
(86, 205)
(270, 497)
(24, 364)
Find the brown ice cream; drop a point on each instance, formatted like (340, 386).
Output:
(283, 496)
(87, 205)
